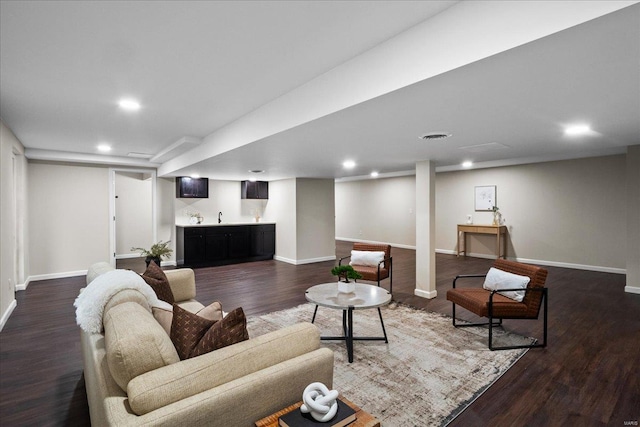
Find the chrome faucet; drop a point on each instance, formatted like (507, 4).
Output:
(219, 217)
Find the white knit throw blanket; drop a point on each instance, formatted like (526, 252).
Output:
(91, 301)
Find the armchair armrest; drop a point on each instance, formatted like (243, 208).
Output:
(344, 257)
(466, 276)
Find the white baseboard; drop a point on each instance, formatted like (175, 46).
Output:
(545, 262)
(375, 242)
(168, 264)
(7, 313)
(23, 286)
(304, 261)
(425, 294)
(62, 275)
(127, 256)
(632, 289)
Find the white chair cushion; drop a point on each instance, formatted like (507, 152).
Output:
(497, 279)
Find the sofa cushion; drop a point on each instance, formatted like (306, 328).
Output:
(187, 329)
(194, 335)
(182, 282)
(155, 277)
(135, 343)
(232, 329)
(212, 312)
(165, 317)
(218, 370)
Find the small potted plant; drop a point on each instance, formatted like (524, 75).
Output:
(344, 273)
(155, 252)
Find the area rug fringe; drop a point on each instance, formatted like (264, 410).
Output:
(426, 375)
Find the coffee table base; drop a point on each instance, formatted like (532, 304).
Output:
(347, 327)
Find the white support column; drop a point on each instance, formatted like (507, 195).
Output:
(425, 229)
(633, 219)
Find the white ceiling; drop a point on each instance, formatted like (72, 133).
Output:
(198, 67)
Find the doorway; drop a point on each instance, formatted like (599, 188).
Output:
(132, 208)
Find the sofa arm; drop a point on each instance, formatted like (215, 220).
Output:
(172, 383)
(182, 282)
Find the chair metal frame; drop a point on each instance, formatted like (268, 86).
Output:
(491, 316)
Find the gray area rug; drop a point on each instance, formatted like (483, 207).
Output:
(427, 374)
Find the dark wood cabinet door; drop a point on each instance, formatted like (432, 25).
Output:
(192, 188)
(254, 189)
(194, 248)
(239, 242)
(216, 246)
(263, 240)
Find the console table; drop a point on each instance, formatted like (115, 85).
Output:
(500, 231)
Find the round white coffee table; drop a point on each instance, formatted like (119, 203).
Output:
(363, 297)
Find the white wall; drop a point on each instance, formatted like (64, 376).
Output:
(165, 213)
(315, 220)
(381, 210)
(134, 213)
(569, 212)
(68, 218)
(281, 209)
(303, 210)
(14, 258)
(633, 219)
(224, 196)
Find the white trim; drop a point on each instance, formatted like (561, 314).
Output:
(598, 268)
(375, 242)
(304, 261)
(168, 264)
(23, 286)
(7, 313)
(632, 289)
(127, 256)
(62, 275)
(425, 294)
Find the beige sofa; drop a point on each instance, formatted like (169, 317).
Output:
(232, 386)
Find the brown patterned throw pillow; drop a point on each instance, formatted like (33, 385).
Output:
(230, 330)
(187, 330)
(155, 277)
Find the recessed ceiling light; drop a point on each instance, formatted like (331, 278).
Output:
(374, 174)
(129, 104)
(195, 175)
(104, 148)
(349, 164)
(256, 171)
(435, 135)
(580, 129)
(467, 164)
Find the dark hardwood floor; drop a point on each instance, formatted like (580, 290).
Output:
(587, 376)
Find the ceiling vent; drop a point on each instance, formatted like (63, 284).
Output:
(435, 135)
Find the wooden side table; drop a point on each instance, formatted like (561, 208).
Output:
(363, 419)
(500, 231)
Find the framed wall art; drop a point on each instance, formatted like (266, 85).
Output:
(485, 197)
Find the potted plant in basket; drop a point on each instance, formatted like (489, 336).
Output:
(155, 252)
(344, 273)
